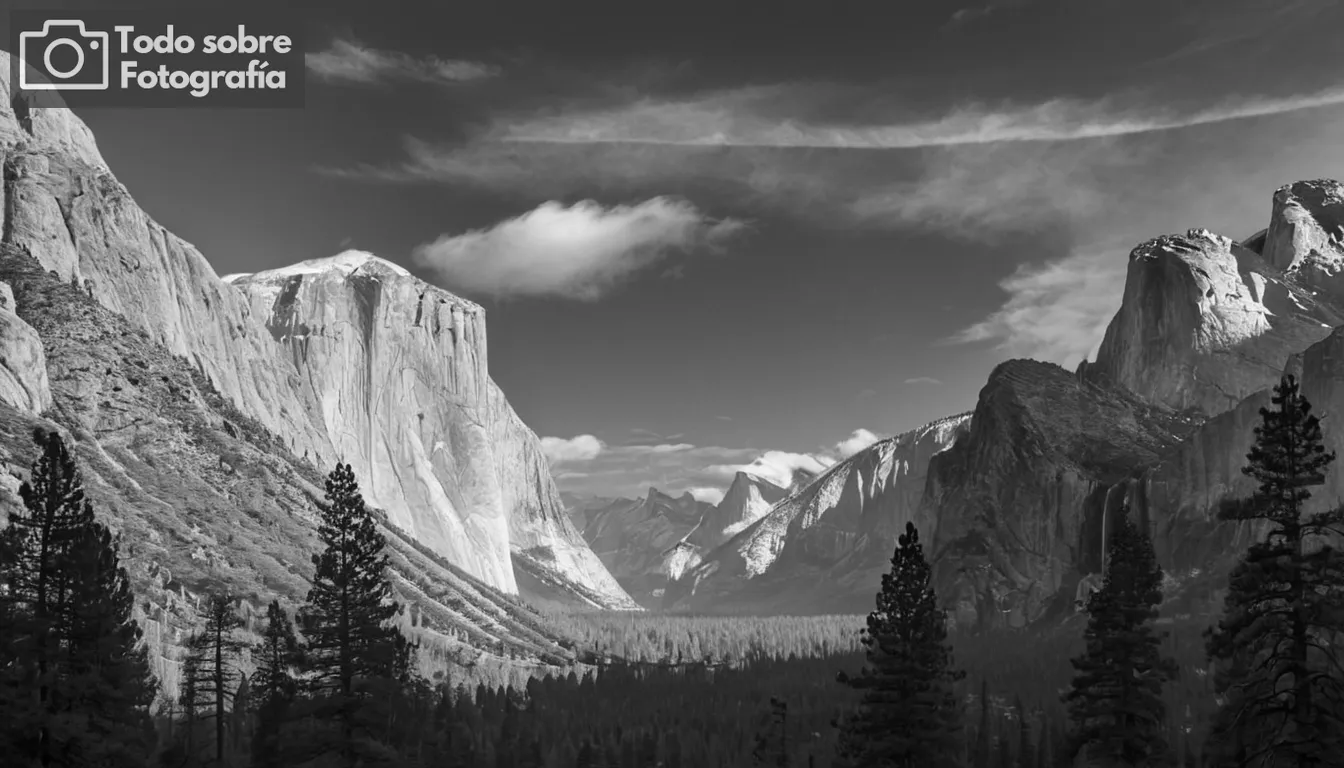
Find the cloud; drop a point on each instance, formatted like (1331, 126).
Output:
(750, 117)
(860, 439)
(707, 495)
(777, 467)
(576, 252)
(580, 448)
(1056, 311)
(923, 380)
(347, 61)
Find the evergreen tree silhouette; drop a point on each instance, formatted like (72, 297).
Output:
(77, 684)
(218, 652)
(908, 715)
(351, 650)
(1115, 702)
(1277, 676)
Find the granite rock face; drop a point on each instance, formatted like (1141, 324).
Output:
(804, 554)
(406, 396)
(1206, 321)
(1018, 504)
(747, 500)
(23, 362)
(642, 542)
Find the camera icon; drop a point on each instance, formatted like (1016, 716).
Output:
(36, 50)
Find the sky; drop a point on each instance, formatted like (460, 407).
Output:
(716, 236)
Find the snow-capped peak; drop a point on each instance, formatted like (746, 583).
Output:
(346, 263)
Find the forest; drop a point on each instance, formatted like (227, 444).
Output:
(335, 683)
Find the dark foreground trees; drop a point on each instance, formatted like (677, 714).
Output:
(75, 686)
(1276, 647)
(1115, 704)
(908, 715)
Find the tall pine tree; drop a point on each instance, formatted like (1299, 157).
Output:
(1115, 703)
(75, 668)
(274, 685)
(908, 716)
(218, 653)
(1279, 682)
(351, 649)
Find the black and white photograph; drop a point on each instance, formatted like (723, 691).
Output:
(594, 384)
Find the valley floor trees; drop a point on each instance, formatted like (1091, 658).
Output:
(909, 715)
(1279, 678)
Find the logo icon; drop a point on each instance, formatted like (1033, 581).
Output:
(58, 37)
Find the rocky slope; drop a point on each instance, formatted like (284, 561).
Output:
(800, 556)
(638, 539)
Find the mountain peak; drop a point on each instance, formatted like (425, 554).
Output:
(1205, 320)
(345, 263)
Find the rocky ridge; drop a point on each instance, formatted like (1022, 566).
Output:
(638, 540)
(798, 556)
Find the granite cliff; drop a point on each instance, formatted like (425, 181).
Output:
(400, 372)
(180, 390)
(1206, 321)
(805, 554)
(1161, 421)
(639, 540)
(747, 500)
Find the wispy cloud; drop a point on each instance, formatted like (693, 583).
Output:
(577, 252)
(750, 117)
(1058, 310)
(923, 380)
(348, 61)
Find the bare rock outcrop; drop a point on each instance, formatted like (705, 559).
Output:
(1205, 321)
(23, 363)
(642, 541)
(803, 554)
(748, 499)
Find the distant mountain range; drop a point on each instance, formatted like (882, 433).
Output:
(648, 542)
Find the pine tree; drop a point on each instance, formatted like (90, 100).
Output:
(908, 715)
(351, 648)
(1115, 703)
(79, 682)
(1281, 691)
(218, 651)
(273, 685)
